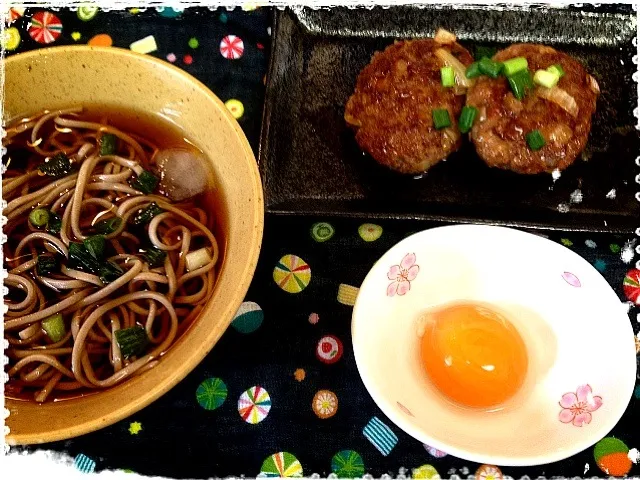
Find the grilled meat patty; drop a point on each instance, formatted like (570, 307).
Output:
(500, 130)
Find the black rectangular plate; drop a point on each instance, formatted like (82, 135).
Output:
(311, 164)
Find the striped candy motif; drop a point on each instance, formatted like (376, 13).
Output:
(254, 405)
(84, 463)
(631, 286)
(292, 274)
(232, 47)
(380, 436)
(282, 465)
(15, 13)
(45, 27)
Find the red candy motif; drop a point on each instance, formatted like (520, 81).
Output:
(45, 27)
(329, 349)
(232, 47)
(631, 286)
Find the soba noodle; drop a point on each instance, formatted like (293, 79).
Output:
(105, 271)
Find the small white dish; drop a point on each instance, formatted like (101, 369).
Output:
(576, 330)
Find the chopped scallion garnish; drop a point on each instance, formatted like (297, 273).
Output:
(535, 140)
(145, 215)
(155, 257)
(58, 166)
(521, 83)
(54, 327)
(489, 67)
(467, 117)
(105, 227)
(110, 272)
(47, 263)
(557, 69)
(39, 217)
(546, 78)
(441, 118)
(448, 76)
(146, 182)
(484, 51)
(80, 258)
(473, 70)
(514, 65)
(55, 224)
(95, 246)
(108, 144)
(132, 341)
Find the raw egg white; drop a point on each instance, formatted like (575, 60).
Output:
(473, 355)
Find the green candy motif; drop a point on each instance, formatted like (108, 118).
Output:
(347, 464)
(322, 231)
(211, 393)
(369, 232)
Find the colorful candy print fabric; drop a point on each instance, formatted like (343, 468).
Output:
(280, 394)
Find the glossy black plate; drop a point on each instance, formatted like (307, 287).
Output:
(311, 164)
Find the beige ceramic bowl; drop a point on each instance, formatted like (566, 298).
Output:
(62, 76)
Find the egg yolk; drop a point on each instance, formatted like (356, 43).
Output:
(473, 355)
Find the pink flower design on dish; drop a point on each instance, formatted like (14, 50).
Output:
(402, 275)
(577, 407)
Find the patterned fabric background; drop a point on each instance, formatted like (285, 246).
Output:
(280, 394)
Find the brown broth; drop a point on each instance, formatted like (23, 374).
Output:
(164, 134)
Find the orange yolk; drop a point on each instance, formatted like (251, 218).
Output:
(473, 355)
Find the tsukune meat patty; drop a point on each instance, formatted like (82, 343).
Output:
(392, 108)
(548, 127)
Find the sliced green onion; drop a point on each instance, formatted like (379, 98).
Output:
(155, 257)
(489, 67)
(441, 118)
(39, 217)
(557, 69)
(54, 327)
(46, 264)
(95, 246)
(521, 83)
(467, 117)
(535, 140)
(484, 51)
(132, 341)
(105, 227)
(55, 224)
(197, 259)
(448, 77)
(546, 78)
(58, 166)
(473, 70)
(108, 144)
(146, 182)
(145, 215)
(109, 272)
(81, 259)
(515, 65)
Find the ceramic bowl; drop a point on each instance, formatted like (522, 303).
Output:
(63, 76)
(582, 359)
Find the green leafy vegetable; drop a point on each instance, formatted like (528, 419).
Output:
(58, 166)
(47, 263)
(515, 65)
(535, 140)
(55, 224)
(467, 117)
(473, 70)
(109, 272)
(105, 227)
(489, 67)
(81, 259)
(146, 182)
(155, 257)
(95, 246)
(521, 83)
(441, 118)
(144, 216)
(484, 51)
(54, 327)
(39, 217)
(132, 341)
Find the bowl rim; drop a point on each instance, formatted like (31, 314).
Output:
(251, 250)
(420, 435)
